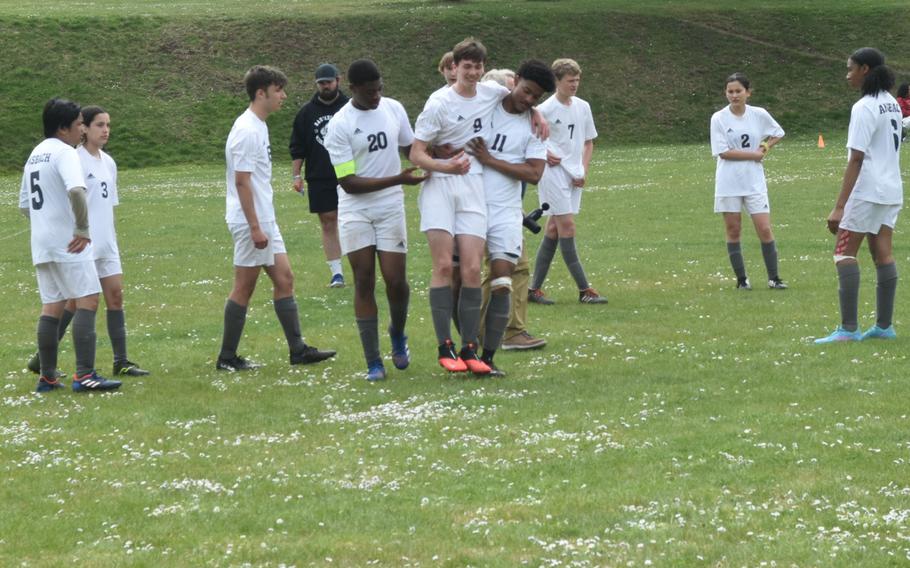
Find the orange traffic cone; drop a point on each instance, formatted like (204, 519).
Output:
(821, 141)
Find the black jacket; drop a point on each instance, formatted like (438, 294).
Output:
(307, 136)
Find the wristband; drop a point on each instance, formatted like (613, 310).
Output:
(296, 177)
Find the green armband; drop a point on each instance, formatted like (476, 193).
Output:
(345, 169)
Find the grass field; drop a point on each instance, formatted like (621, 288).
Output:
(683, 424)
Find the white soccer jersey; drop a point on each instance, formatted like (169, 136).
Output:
(736, 178)
(365, 143)
(51, 170)
(101, 188)
(570, 127)
(509, 138)
(449, 118)
(875, 130)
(248, 150)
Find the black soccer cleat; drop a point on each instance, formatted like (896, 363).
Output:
(310, 354)
(129, 369)
(777, 284)
(743, 284)
(34, 364)
(235, 363)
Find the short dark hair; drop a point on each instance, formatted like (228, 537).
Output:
(59, 113)
(539, 72)
(739, 78)
(262, 77)
(904, 90)
(470, 49)
(363, 71)
(880, 77)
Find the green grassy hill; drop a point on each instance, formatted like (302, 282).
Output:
(653, 71)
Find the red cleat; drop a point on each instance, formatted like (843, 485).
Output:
(472, 361)
(448, 360)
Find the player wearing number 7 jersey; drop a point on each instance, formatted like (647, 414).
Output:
(871, 196)
(363, 140)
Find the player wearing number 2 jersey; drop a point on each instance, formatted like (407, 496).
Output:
(870, 198)
(53, 197)
(364, 139)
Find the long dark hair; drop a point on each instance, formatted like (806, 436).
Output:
(880, 77)
(904, 91)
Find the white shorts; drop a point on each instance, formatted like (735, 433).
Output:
(504, 233)
(456, 204)
(59, 281)
(751, 204)
(108, 267)
(246, 254)
(867, 217)
(555, 187)
(383, 228)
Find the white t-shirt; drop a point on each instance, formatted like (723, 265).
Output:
(570, 127)
(735, 178)
(875, 130)
(101, 189)
(370, 139)
(449, 118)
(509, 138)
(51, 170)
(248, 150)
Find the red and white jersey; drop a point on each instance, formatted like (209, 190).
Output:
(449, 118)
(51, 170)
(875, 130)
(737, 178)
(509, 138)
(101, 188)
(248, 150)
(571, 126)
(366, 143)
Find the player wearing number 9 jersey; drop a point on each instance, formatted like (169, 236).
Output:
(53, 197)
(363, 140)
(870, 198)
(741, 137)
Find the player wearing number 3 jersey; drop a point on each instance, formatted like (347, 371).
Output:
(870, 198)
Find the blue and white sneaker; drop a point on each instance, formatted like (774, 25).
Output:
(401, 355)
(876, 332)
(46, 384)
(337, 281)
(94, 382)
(375, 371)
(840, 334)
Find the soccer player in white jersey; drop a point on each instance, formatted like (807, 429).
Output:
(100, 172)
(364, 139)
(569, 151)
(510, 154)
(870, 198)
(741, 137)
(250, 217)
(52, 196)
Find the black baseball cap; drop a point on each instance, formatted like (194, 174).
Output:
(327, 72)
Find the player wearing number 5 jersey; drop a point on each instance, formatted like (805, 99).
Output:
(569, 151)
(741, 137)
(363, 140)
(53, 197)
(870, 198)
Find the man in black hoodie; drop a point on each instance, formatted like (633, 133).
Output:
(306, 146)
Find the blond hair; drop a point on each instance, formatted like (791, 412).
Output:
(563, 67)
(500, 76)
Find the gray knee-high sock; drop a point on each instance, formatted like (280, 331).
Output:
(542, 264)
(441, 310)
(769, 252)
(289, 316)
(848, 276)
(47, 345)
(84, 341)
(469, 304)
(497, 319)
(398, 316)
(116, 330)
(736, 259)
(65, 320)
(369, 338)
(234, 319)
(570, 255)
(884, 294)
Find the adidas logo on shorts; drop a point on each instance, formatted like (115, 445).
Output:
(358, 131)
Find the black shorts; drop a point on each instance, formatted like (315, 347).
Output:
(323, 195)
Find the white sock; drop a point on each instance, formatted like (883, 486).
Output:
(334, 266)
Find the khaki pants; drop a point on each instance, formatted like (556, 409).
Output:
(521, 277)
